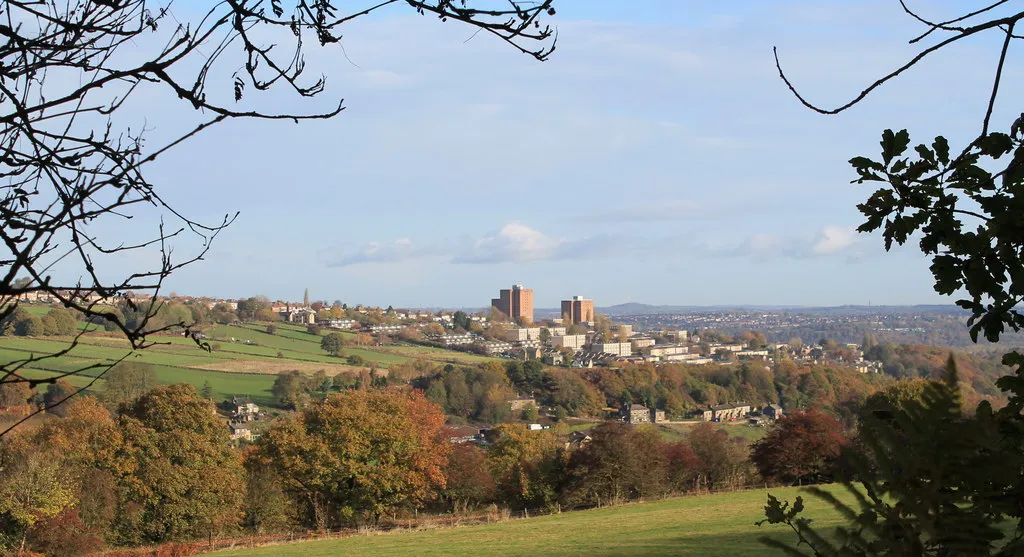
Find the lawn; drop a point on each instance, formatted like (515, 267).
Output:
(678, 430)
(719, 524)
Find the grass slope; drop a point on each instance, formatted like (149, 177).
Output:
(719, 524)
(235, 367)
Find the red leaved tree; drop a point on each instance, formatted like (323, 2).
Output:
(801, 447)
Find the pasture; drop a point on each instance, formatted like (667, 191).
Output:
(717, 524)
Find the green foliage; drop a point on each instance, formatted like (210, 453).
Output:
(127, 381)
(928, 480)
(530, 413)
(620, 463)
(968, 217)
(185, 481)
(332, 343)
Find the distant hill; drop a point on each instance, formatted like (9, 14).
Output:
(633, 308)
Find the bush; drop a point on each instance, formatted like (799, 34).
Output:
(271, 329)
(356, 360)
(30, 326)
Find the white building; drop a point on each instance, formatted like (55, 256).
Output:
(641, 343)
(568, 341)
(613, 348)
(662, 350)
(520, 334)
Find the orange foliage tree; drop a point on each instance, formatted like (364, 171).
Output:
(359, 454)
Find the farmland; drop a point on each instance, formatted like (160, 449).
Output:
(699, 525)
(243, 359)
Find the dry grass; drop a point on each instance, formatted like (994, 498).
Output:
(270, 367)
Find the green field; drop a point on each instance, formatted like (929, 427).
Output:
(244, 360)
(719, 524)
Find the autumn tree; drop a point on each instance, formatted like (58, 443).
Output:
(57, 392)
(723, 461)
(359, 454)
(527, 465)
(468, 481)
(185, 482)
(800, 447)
(620, 463)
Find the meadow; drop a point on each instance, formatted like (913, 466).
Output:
(243, 361)
(717, 524)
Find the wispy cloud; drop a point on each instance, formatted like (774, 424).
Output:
(401, 249)
(826, 242)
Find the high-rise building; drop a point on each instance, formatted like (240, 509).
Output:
(515, 302)
(578, 310)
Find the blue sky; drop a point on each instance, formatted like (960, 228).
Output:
(656, 157)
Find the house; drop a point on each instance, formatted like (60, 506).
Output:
(725, 412)
(240, 431)
(640, 414)
(772, 411)
(636, 414)
(244, 410)
(535, 427)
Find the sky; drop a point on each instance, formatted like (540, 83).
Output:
(656, 157)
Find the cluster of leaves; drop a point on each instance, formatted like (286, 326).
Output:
(968, 217)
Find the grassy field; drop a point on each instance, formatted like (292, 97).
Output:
(244, 360)
(719, 524)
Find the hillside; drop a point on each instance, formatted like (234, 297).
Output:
(721, 524)
(243, 361)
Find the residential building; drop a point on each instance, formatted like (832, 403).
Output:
(640, 343)
(496, 347)
(640, 414)
(568, 341)
(520, 334)
(680, 336)
(623, 331)
(662, 350)
(244, 410)
(725, 412)
(240, 431)
(555, 331)
(515, 302)
(578, 310)
(635, 414)
(613, 348)
(342, 323)
(454, 339)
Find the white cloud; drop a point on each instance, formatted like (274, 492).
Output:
(514, 242)
(834, 239)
